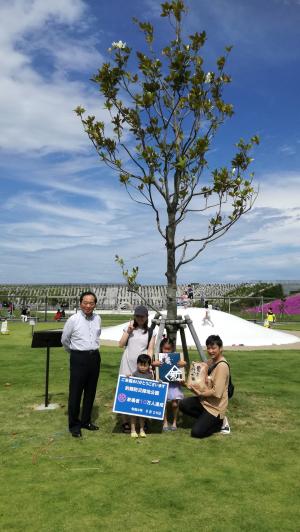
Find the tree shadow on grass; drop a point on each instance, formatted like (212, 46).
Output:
(155, 426)
(94, 414)
(152, 426)
(185, 422)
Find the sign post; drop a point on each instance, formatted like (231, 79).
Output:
(51, 338)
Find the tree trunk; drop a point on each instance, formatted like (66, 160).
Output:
(171, 274)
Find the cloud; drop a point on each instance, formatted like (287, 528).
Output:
(64, 216)
(70, 209)
(37, 97)
(251, 26)
(287, 150)
(71, 55)
(264, 244)
(279, 190)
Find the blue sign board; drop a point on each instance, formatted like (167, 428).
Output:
(140, 397)
(169, 370)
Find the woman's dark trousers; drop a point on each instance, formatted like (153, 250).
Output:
(206, 423)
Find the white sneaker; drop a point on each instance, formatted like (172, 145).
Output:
(225, 429)
(142, 433)
(134, 434)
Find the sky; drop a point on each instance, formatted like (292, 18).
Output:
(64, 215)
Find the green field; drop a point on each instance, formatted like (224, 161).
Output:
(287, 326)
(248, 480)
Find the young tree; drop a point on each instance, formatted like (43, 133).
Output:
(165, 112)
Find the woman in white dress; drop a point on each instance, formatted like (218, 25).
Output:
(137, 338)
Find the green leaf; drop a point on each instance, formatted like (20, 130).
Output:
(79, 110)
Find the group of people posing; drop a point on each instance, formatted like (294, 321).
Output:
(81, 338)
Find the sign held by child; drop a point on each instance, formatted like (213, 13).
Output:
(136, 396)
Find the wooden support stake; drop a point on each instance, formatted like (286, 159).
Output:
(195, 338)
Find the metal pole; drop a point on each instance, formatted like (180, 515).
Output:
(184, 346)
(162, 323)
(46, 308)
(195, 338)
(160, 333)
(47, 376)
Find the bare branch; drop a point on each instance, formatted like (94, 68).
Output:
(133, 159)
(216, 234)
(134, 199)
(156, 215)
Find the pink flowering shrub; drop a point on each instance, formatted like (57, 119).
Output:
(290, 305)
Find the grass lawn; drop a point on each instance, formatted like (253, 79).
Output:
(289, 326)
(248, 480)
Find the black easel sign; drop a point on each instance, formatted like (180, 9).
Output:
(47, 338)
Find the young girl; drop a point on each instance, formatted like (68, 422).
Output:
(137, 338)
(174, 393)
(143, 370)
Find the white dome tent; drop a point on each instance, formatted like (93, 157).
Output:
(234, 331)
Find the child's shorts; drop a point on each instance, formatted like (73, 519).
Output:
(174, 392)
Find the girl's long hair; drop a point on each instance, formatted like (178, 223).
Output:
(145, 326)
(164, 342)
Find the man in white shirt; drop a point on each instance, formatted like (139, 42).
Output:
(81, 337)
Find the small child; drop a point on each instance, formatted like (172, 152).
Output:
(143, 370)
(271, 318)
(175, 392)
(207, 317)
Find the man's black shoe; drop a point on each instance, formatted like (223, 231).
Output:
(76, 433)
(90, 426)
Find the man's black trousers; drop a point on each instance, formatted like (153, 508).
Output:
(84, 373)
(206, 423)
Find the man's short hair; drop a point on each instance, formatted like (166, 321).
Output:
(214, 339)
(144, 359)
(87, 293)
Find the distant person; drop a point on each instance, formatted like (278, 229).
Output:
(24, 315)
(81, 337)
(143, 371)
(190, 291)
(185, 299)
(209, 407)
(271, 318)
(58, 315)
(207, 316)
